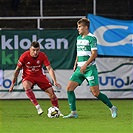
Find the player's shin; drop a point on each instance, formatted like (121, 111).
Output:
(72, 100)
(31, 96)
(105, 99)
(54, 101)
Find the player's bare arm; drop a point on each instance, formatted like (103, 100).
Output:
(75, 64)
(92, 57)
(16, 73)
(52, 74)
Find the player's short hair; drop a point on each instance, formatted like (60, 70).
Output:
(84, 21)
(35, 44)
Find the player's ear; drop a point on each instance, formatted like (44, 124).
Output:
(86, 27)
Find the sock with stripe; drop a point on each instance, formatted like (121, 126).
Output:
(105, 99)
(31, 96)
(71, 100)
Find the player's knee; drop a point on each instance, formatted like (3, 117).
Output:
(69, 88)
(53, 96)
(72, 86)
(95, 94)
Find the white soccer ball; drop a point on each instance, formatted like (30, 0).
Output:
(53, 112)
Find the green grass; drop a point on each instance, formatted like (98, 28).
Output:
(20, 116)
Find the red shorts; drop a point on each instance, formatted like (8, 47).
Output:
(41, 80)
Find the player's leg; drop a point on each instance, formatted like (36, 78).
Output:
(72, 99)
(104, 99)
(28, 90)
(45, 85)
(53, 97)
(92, 77)
(75, 80)
(95, 91)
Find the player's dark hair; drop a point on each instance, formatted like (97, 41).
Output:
(35, 44)
(84, 21)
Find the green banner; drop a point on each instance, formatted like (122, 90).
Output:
(58, 45)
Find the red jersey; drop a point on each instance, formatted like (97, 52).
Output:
(32, 66)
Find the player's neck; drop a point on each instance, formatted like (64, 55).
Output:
(85, 34)
(35, 57)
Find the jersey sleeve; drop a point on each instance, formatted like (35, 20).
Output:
(93, 43)
(20, 62)
(46, 62)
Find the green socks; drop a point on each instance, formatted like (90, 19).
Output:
(104, 99)
(71, 100)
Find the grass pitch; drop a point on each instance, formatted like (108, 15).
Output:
(20, 116)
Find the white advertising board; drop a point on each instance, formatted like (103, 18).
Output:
(115, 80)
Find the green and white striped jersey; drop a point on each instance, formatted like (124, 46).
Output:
(84, 47)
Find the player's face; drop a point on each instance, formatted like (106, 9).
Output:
(34, 51)
(81, 29)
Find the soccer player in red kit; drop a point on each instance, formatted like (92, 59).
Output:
(31, 62)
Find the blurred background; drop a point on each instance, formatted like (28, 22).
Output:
(117, 9)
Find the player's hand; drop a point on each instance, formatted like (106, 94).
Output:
(83, 68)
(57, 85)
(11, 87)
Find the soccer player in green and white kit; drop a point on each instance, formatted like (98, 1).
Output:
(85, 69)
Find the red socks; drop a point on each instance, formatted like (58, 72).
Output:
(33, 99)
(31, 96)
(55, 102)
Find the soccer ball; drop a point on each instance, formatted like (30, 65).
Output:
(53, 112)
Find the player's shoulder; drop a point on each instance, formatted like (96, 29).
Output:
(79, 36)
(42, 54)
(91, 36)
